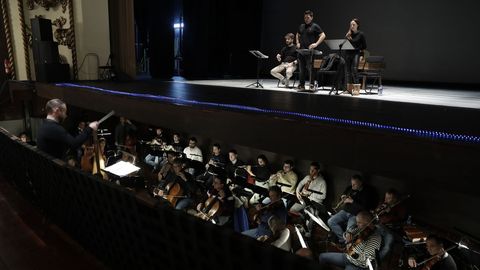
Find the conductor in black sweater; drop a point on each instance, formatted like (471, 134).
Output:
(52, 137)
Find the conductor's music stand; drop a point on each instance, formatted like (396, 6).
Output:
(260, 56)
(340, 45)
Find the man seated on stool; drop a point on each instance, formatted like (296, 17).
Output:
(288, 61)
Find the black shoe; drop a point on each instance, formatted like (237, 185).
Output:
(300, 87)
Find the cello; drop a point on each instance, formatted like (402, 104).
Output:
(173, 192)
(210, 209)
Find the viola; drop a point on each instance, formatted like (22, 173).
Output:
(429, 264)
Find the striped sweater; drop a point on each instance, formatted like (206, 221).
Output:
(365, 249)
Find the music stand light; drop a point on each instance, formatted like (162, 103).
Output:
(122, 168)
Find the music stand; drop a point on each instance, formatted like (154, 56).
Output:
(260, 56)
(340, 45)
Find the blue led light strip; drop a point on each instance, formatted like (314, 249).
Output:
(409, 131)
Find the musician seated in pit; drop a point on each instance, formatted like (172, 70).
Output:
(177, 144)
(155, 145)
(166, 171)
(440, 259)
(193, 153)
(217, 159)
(276, 207)
(233, 163)
(281, 237)
(313, 188)
(389, 212)
(261, 172)
(24, 138)
(356, 198)
(363, 244)
(221, 192)
(287, 59)
(286, 178)
(185, 180)
(123, 129)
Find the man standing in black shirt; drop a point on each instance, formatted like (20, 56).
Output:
(288, 61)
(52, 138)
(309, 36)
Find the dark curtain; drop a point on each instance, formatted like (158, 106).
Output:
(122, 38)
(217, 37)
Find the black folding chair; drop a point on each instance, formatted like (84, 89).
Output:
(372, 69)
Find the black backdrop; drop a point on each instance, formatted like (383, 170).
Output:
(218, 35)
(423, 41)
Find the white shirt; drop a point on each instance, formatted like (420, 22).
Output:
(318, 184)
(193, 153)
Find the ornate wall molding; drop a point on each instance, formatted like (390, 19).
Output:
(47, 4)
(71, 39)
(25, 38)
(8, 37)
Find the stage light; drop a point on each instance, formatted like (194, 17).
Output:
(178, 25)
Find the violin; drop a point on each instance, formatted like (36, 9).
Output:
(257, 212)
(429, 264)
(357, 239)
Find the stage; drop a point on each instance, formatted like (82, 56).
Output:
(428, 96)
